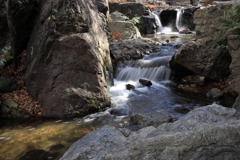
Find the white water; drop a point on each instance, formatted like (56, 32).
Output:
(158, 21)
(179, 19)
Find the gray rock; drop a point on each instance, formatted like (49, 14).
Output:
(7, 85)
(209, 132)
(116, 16)
(236, 104)
(215, 93)
(234, 50)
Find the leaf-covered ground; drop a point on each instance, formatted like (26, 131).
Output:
(21, 95)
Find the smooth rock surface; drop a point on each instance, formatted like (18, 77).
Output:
(209, 132)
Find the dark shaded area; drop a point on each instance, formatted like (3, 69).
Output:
(37, 154)
(168, 18)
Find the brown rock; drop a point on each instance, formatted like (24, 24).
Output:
(199, 58)
(68, 68)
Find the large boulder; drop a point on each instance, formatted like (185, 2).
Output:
(201, 58)
(23, 15)
(210, 132)
(234, 50)
(68, 66)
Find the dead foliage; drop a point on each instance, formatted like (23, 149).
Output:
(21, 95)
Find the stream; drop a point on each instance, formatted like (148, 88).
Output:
(49, 139)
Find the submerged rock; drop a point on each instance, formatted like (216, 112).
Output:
(130, 87)
(204, 133)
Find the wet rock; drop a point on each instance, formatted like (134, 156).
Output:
(11, 109)
(236, 104)
(204, 133)
(73, 64)
(199, 58)
(185, 31)
(119, 111)
(215, 93)
(136, 119)
(174, 37)
(194, 79)
(145, 82)
(7, 85)
(182, 109)
(148, 24)
(126, 30)
(130, 87)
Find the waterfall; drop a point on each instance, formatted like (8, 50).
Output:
(158, 21)
(155, 69)
(179, 19)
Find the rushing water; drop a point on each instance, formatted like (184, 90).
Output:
(49, 139)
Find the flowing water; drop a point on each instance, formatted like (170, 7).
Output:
(49, 139)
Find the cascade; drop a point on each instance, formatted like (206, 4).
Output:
(158, 21)
(179, 19)
(155, 69)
